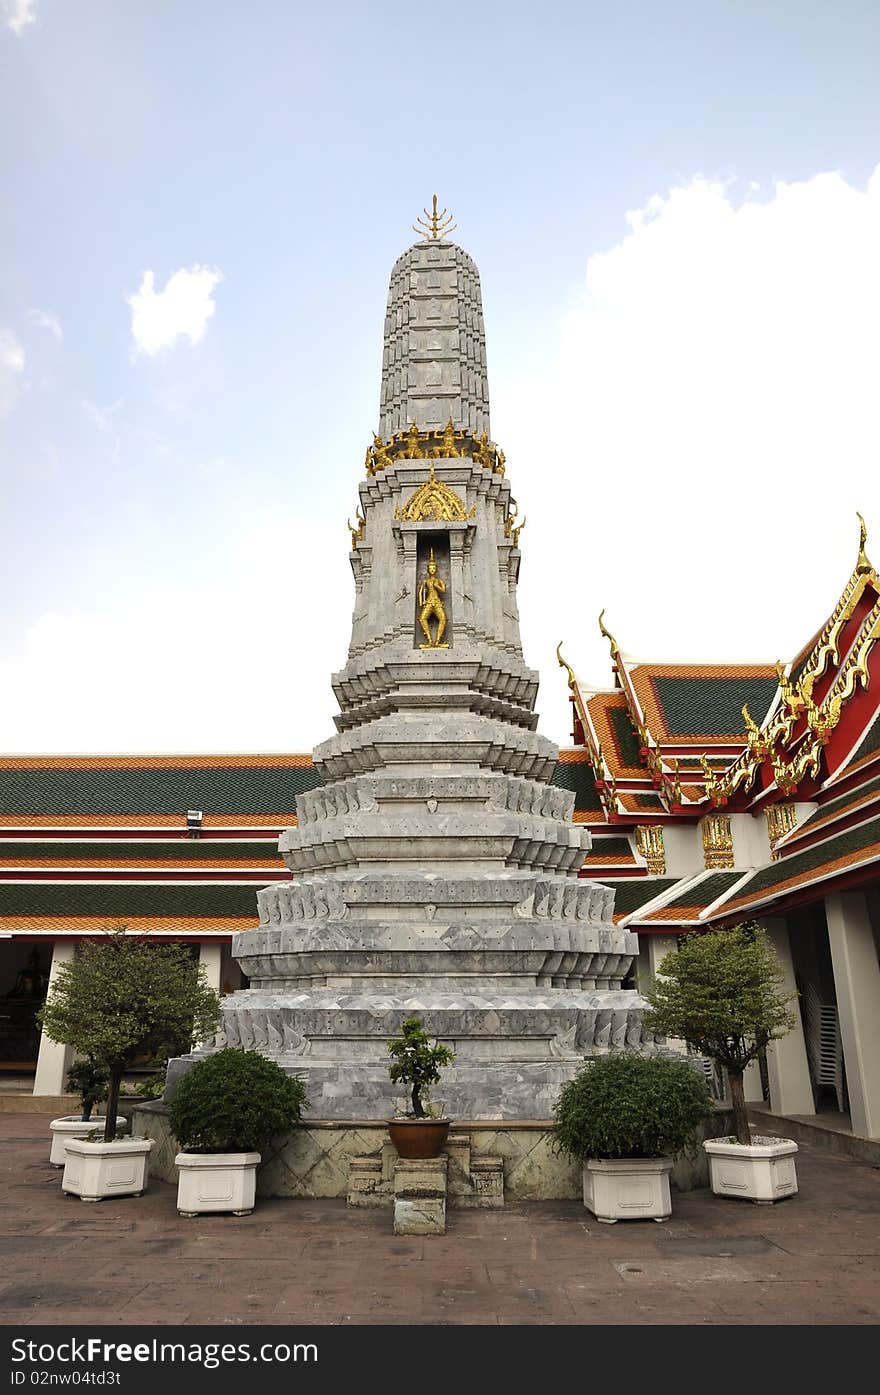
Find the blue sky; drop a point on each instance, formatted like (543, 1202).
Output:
(174, 521)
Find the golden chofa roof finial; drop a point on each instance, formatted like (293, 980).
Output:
(863, 566)
(434, 226)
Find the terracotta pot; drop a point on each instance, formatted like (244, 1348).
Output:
(418, 1138)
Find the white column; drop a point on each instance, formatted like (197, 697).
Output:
(788, 1071)
(653, 949)
(210, 956)
(857, 985)
(53, 1061)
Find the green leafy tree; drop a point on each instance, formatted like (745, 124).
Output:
(124, 996)
(416, 1062)
(721, 992)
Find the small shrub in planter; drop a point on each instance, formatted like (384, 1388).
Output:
(624, 1117)
(234, 1101)
(224, 1112)
(417, 1063)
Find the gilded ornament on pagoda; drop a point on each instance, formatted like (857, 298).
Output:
(448, 443)
(717, 841)
(358, 532)
(432, 589)
(435, 501)
(447, 438)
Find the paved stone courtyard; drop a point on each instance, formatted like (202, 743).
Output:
(813, 1259)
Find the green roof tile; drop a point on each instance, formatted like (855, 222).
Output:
(711, 706)
(633, 892)
(852, 840)
(134, 899)
(154, 790)
(627, 741)
(578, 776)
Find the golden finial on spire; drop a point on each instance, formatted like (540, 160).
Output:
(863, 566)
(568, 668)
(434, 226)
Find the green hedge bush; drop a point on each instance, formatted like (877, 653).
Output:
(631, 1106)
(234, 1102)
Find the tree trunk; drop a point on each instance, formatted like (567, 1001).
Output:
(740, 1114)
(417, 1102)
(112, 1104)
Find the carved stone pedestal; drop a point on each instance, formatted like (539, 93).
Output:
(469, 1180)
(420, 1196)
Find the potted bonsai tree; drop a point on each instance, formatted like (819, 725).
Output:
(624, 1117)
(123, 996)
(722, 993)
(224, 1112)
(417, 1064)
(88, 1079)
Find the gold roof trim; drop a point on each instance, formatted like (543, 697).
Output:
(827, 645)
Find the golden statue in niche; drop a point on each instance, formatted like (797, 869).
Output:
(432, 588)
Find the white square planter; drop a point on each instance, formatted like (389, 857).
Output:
(95, 1170)
(72, 1126)
(216, 1182)
(764, 1171)
(618, 1189)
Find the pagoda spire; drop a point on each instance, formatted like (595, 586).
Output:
(434, 356)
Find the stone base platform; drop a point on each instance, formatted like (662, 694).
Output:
(314, 1160)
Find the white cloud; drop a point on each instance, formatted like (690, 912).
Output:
(12, 361)
(182, 309)
(44, 319)
(18, 14)
(694, 456)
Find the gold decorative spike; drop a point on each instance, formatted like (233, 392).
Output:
(710, 781)
(434, 226)
(511, 517)
(615, 647)
(717, 841)
(516, 532)
(649, 842)
(863, 566)
(430, 597)
(498, 467)
(358, 532)
(568, 668)
(433, 500)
